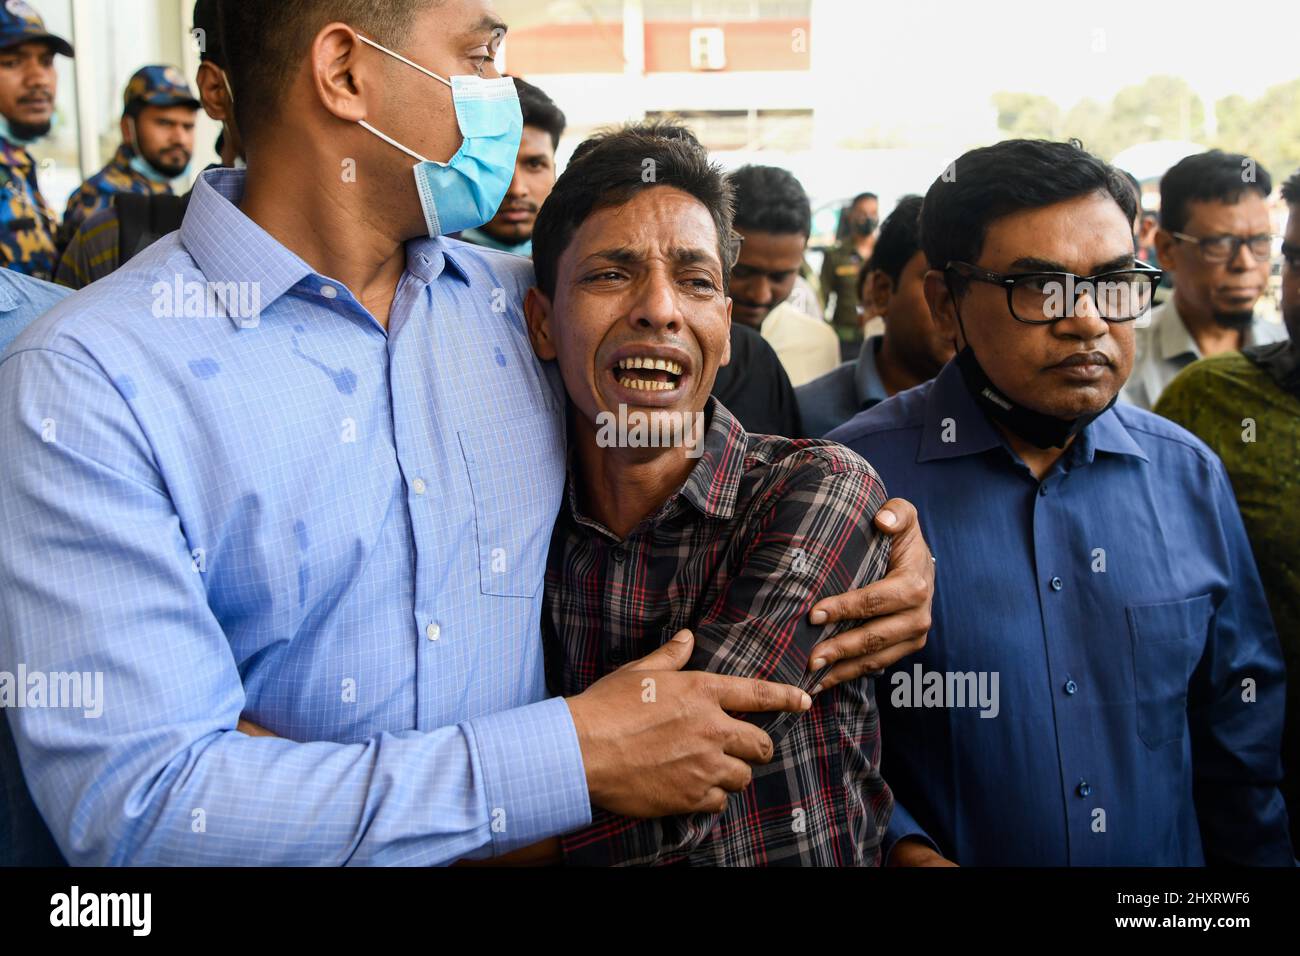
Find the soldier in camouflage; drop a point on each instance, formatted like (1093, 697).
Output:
(28, 84)
(157, 145)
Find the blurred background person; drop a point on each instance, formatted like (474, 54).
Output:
(911, 349)
(132, 221)
(157, 145)
(28, 84)
(774, 220)
(1246, 406)
(511, 229)
(840, 268)
(1216, 238)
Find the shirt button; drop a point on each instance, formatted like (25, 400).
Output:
(1084, 788)
(1042, 491)
(433, 631)
(1057, 584)
(619, 554)
(418, 486)
(329, 292)
(1071, 687)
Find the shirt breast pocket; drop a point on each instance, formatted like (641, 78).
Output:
(516, 474)
(1167, 642)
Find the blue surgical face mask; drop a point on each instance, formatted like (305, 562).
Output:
(7, 132)
(466, 192)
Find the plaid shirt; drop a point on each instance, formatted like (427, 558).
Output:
(762, 529)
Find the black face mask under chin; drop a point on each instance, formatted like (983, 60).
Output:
(1041, 431)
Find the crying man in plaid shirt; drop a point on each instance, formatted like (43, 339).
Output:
(675, 518)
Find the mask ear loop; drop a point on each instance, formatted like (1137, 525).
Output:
(388, 139)
(398, 56)
(392, 142)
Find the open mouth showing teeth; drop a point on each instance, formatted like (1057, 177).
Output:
(648, 374)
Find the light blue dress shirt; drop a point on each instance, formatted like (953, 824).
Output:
(23, 300)
(1137, 718)
(293, 514)
(23, 840)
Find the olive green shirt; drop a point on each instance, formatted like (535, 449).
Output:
(839, 276)
(1237, 409)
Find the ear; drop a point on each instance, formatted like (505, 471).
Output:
(1165, 243)
(340, 75)
(537, 314)
(726, 348)
(943, 309)
(880, 289)
(212, 92)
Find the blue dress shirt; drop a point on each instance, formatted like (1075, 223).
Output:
(292, 513)
(23, 300)
(23, 840)
(1138, 712)
(827, 402)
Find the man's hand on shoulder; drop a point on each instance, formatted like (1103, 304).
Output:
(657, 740)
(895, 610)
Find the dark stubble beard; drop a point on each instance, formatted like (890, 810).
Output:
(29, 131)
(1236, 321)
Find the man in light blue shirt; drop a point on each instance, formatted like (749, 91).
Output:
(261, 471)
(23, 300)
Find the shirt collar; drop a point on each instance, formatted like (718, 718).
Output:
(952, 413)
(866, 376)
(1174, 339)
(714, 482)
(8, 301)
(229, 247)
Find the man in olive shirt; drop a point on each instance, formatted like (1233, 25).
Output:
(840, 270)
(1246, 406)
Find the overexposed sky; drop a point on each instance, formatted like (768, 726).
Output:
(942, 50)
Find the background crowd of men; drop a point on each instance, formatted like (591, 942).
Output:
(810, 352)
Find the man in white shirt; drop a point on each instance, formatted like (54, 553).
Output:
(774, 219)
(1215, 239)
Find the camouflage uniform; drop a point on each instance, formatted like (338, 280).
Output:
(150, 86)
(27, 224)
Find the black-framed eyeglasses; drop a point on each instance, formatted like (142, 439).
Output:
(1224, 248)
(1041, 298)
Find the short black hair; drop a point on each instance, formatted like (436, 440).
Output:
(1291, 190)
(540, 110)
(770, 199)
(985, 184)
(662, 129)
(207, 19)
(899, 239)
(264, 43)
(611, 168)
(861, 196)
(1212, 176)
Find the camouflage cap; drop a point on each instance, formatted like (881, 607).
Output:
(19, 23)
(158, 86)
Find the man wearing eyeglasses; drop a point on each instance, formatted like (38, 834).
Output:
(1215, 239)
(1104, 686)
(1246, 406)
